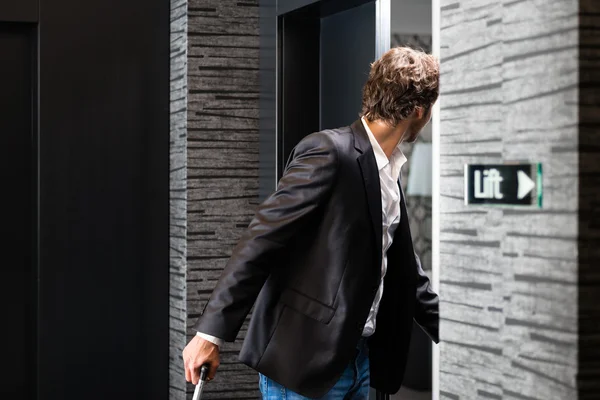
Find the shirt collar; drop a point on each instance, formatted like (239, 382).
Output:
(397, 160)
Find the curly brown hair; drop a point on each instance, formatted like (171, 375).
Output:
(399, 82)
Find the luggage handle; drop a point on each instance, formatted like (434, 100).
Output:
(200, 385)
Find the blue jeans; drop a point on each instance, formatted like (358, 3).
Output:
(352, 385)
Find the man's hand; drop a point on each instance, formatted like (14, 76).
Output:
(197, 353)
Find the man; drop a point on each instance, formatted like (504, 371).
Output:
(329, 259)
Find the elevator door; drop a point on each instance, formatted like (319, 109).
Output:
(325, 51)
(17, 49)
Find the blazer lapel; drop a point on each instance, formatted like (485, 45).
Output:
(370, 175)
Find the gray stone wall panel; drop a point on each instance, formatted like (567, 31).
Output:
(508, 278)
(178, 203)
(222, 161)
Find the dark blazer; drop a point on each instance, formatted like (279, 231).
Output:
(312, 256)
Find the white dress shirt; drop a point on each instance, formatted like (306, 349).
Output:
(389, 172)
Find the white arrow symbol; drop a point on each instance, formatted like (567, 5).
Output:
(525, 184)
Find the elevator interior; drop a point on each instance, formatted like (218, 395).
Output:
(324, 52)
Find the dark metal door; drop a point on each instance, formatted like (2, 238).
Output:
(18, 166)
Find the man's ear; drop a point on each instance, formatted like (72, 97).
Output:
(419, 112)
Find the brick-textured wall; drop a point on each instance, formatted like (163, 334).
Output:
(222, 160)
(178, 203)
(508, 278)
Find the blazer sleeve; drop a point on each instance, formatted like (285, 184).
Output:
(426, 305)
(306, 183)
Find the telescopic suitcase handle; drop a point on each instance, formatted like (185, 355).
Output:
(201, 382)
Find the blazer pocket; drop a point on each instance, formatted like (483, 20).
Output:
(307, 306)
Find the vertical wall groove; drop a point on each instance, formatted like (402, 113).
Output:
(178, 198)
(222, 161)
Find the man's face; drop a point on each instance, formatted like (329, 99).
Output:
(417, 126)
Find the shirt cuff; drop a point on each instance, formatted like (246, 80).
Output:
(212, 339)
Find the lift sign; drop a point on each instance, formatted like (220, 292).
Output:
(504, 184)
